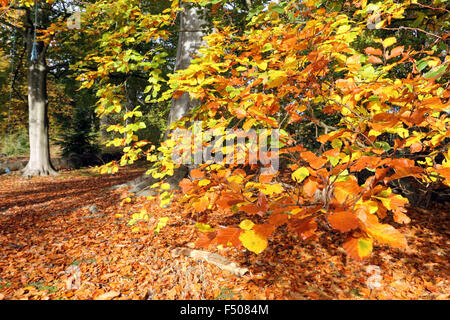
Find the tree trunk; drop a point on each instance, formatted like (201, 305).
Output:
(189, 41)
(39, 163)
(192, 27)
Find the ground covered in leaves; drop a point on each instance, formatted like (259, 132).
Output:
(68, 237)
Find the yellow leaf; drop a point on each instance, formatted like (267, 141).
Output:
(246, 225)
(300, 174)
(161, 224)
(262, 65)
(389, 42)
(276, 78)
(271, 189)
(253, 241)
(203, 227)
(165, 186)
(204, 182)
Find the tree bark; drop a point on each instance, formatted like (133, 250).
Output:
(189, 41)
(39, 163)
(192, 25)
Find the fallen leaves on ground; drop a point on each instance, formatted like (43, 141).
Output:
(54, 247)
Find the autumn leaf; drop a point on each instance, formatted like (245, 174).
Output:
(246, 225)
(186, 186)
(278, 219)
(358, 248)
(204, 227)
(387, 234)
(343, 221)
(395, 52)
(346, 190)
(228, 236)
(197, 174)
(205, 239)
(375, 60)
(253, 241)
(162, 222)
(304, 228)
(300, 174)
(265, 230)
(314, 161)
(227, 200)
(389, 42)
(201, 204)
(370, 50)
(310, 187)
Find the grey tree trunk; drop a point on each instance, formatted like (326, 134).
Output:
(39, 163)
(192, 31)
(192, 25)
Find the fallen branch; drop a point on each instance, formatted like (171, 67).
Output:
(213, 258)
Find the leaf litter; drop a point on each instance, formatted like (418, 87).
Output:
(54, 247)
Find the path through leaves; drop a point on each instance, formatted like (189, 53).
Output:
(55, 245)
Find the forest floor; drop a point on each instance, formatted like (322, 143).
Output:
(55, 245)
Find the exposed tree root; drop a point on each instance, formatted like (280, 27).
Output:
(42, 171)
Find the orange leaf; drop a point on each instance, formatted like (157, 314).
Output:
(228, 236)
(416, 147)
(108, 295)
(197, 174)
(264, 230)
(310, 187)
(358, 248)
(346, 190)
(278, 219)
(260, 208)
(227, 200)
(343, 221)
(396, 52)
(364, 162)
(205, 239)
(186, 186)
(374, 51)
(387, 234)
(445, 172)
(314, 161)
(265, 178)
(400, 217)
(177, 94)
(201, 205)
(250, 209)
(303, 227)
(374, 59)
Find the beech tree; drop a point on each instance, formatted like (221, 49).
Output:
(31, 19)
(298, 62)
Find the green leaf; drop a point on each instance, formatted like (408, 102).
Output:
(382, 145)
(435, 72)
